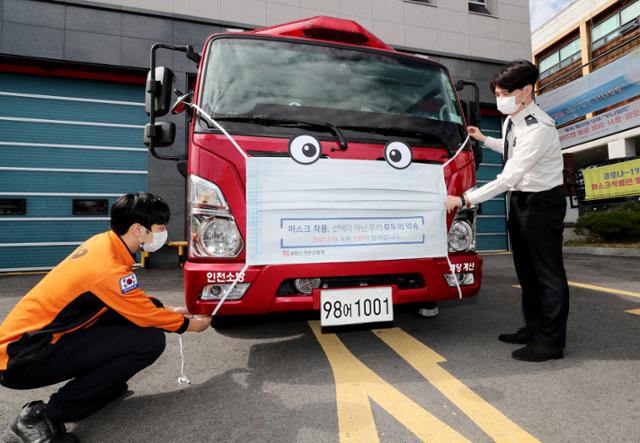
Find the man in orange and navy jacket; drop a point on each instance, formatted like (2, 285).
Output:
(89, 322)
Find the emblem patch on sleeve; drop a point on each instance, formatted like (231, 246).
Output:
(129, 283)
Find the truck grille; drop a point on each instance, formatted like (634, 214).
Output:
(402, 281)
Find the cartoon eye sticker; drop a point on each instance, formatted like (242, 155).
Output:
(398, 154)
(305, 149)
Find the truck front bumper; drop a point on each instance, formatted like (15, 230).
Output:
(263, 296)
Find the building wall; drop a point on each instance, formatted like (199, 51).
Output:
(447, 27)
(578, 19)
(566, 21)
(116, 35)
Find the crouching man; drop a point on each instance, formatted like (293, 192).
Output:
(89, 322)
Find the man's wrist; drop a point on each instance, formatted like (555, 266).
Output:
(466, 200)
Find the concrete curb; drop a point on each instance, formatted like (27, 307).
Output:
(612, 252)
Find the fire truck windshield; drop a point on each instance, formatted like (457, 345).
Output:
(348, 87)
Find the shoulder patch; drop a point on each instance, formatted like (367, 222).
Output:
(530, 120)
(129, 283)
(79, 253)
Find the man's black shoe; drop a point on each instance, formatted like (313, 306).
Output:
(32, 426)
(521, 337)
(529, 354)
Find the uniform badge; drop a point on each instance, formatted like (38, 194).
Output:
(128, 283)
(530, 120)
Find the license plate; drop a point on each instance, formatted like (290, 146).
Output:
(355, 306)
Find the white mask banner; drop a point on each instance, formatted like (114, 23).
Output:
(343, 211)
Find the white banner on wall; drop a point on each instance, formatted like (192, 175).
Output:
(343, 211)
(616, 120)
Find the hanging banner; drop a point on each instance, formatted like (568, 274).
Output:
(343, 211)
(612, 181)
(611, 84)
(617, 120)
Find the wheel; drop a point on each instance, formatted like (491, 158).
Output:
(222, 322)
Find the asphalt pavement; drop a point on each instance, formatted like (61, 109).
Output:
(272, 379)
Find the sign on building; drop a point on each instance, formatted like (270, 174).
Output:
(614, 83)
(612, 181)
(602, 125)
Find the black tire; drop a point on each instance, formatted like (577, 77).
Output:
(222, 322)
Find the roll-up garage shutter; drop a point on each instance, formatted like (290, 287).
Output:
(492, 222)
(69, 148)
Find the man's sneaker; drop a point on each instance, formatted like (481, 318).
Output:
(32, 426)
(521, 337)
(429, 310)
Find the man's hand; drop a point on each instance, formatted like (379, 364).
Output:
(199, 323)
(475, 133)
(452, 202)
(179, 309)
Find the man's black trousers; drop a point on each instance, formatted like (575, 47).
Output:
(536, 223)
(99, 361)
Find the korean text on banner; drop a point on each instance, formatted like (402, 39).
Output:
(617, 120)
(611, 84)
(612, 181)
(343, 211)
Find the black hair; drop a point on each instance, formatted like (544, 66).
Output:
(143, 207)
(515, 75)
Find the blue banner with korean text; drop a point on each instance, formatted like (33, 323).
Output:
(611, 84)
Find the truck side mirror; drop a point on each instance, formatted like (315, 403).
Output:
(162, 133)
(160, 89)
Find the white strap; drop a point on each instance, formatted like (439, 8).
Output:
(183, 379)
(452, 269)
(211, 120)
(464, 143)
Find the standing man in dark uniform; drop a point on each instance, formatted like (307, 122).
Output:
(532, 175)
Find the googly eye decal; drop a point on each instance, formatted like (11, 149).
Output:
(398, 154)
(304, 149)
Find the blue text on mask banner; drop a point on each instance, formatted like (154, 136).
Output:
(298, 233)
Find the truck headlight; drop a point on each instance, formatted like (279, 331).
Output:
(214, 232)
(462, 235)
(219, 237)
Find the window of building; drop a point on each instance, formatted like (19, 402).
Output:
(479, 6)
(614, 26)
(422, 2)
(630, 12)
(560, 59)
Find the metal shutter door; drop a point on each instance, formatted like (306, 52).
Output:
(492, 222)
(63, 139)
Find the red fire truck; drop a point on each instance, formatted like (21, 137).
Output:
(333, 79)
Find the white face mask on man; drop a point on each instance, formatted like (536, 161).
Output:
(509, 104)
(159, 238)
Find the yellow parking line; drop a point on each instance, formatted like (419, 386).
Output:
(356, 383)
(604, 289)
(634, 311)
(599, 288)
(426, 362)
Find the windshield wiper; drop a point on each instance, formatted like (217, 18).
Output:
(390, 130)
(266, 120)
